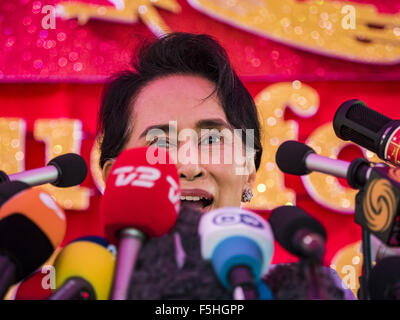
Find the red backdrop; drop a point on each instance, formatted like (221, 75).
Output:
(78, 101)
(59, 73)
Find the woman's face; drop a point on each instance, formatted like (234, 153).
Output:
(178, 113)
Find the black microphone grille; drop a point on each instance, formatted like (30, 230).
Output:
(356, 122)
(290, 157)
(285, 221)
(72, 169)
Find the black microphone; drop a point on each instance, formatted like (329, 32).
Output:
(296, 158)
(64, 171)
(372, 130)
(305, 237)
(384, 280)
(298, 232)
(378, 202)
(32, 225)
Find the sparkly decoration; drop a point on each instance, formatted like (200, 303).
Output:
(346, 30)
(95, 169)
(63, 136)
(12, 145)
(325, 189)
(269, 190)
(127, 11)
(347, 262)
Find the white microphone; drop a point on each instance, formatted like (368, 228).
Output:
(240, 245)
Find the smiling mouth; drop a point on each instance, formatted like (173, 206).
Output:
(197, 200)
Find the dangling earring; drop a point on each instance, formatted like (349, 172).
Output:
(247, 195)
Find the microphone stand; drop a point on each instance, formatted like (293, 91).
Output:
(309, 269)
(366, 252)
(357, 177)
(242, 282)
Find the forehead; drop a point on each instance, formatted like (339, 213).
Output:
(182, 98)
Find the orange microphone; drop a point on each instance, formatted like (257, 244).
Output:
(32, 226)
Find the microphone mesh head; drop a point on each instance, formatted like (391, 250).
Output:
(291, 156)
(72, 170)
(356, 122)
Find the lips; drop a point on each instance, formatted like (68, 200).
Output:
(197, 199)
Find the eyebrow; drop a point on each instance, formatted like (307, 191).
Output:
(213, 123)
(205, 123)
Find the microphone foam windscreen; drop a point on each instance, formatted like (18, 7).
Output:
(11, 188)
(87, 260)
(287, 220)
(383, 277)
(72, 170)
(142, 191)
(290, 157)
(25, 243)
(39, 207)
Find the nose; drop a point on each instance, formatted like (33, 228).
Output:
(188, 164)
(190, 172)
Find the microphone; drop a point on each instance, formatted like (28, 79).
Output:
(303, 236)
(384, 280)
(141, 199)
(11, 188)
(84, 271)
(377, 203)
(298, 232)
(372, 130)
(240, 245)
(297, 158)
(32, 225)
(64, 171)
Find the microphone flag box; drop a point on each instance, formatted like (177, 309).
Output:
(377, 205)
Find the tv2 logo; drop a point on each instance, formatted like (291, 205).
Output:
(146, 177)
(141, 176)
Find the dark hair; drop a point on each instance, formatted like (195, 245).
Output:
(175, 53)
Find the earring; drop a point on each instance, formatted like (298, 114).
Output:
(247, 195)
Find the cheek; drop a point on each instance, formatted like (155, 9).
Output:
(230, 183)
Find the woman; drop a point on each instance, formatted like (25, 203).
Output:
(185, 96)
(185, 81)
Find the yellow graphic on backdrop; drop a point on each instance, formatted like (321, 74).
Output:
(128, 11)
(340, 29)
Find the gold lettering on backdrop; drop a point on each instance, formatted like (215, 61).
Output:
(325, 189)
(12, 145)
(348, 263)
(269, 190)
(63, 136)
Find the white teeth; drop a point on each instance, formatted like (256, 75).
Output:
(191, 198)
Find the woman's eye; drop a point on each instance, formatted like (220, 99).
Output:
(160, 142)
(212, 139)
